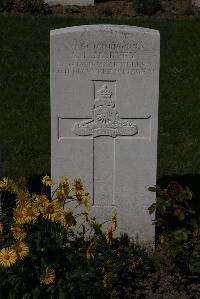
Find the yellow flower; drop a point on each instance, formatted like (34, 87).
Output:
(69, 218)
(59, 215)
(63, 190)
(40, 202)
(30, 213)
(60, 195)
(109, 235)
(64, 180)
(21, 249)
(18, 232)
(8, 185)
(4, 183)
(18, 215)
(52, 211)
(46, 180)
(114, 221)
(135, 265)
(78, 185)
(7, 257)
(26, 214)
(48, 276)
(79, 194)
(1, 227)
(91, 250)
(86, 201)
(64, 186)
(22, 198)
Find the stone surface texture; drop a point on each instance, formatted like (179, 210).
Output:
(104, 118)
(70, 2)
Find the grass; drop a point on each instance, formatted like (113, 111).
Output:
(25, 98)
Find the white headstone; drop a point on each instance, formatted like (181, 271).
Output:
(70, 2)
(104, 118)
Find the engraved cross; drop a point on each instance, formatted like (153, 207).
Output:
(103, 130)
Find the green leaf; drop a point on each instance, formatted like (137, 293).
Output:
(51, 289)
(152, 189)
(179, 213)
(180, 235)
(62, 295)
(152, 208)
(36, 293)
(188, 192)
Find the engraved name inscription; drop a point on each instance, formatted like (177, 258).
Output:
(106, 120)
(103, 57)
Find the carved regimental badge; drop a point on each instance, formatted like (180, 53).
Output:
(107, 121)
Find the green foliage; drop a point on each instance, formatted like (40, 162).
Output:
(87, 260)
(178, 224)
(146, 7)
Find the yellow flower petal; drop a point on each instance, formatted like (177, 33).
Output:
(114, 221)
(18, 232)
(78, 185)
(47, 181)
(7, 257)
(109, 235)
(48, 276)
(1, 227)
(21, 249)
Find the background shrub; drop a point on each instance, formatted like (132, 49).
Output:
(32, 6)
(178, 223)
(24, 6)
(146, 7)
(6, 5)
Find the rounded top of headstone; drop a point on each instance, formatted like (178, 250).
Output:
(104, 27)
